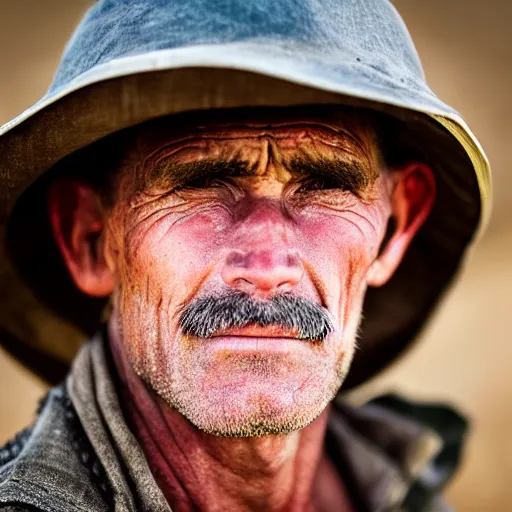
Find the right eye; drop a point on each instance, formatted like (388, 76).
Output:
(201, 182)
(320, 183)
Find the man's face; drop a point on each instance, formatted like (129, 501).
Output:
(240, 250)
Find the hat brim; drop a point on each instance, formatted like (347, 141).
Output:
(45, 312)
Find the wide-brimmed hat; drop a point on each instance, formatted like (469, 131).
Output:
(129, 62)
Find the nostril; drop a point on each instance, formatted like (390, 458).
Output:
(284, 287)
(243, 285)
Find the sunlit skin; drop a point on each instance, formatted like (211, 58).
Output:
(296, 203)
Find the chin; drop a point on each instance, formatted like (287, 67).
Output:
(247, 394)
(253, 409)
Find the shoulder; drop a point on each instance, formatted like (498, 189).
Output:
(51, 465)
(419, 445)
(438, 421)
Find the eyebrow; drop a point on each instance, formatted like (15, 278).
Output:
(352, 175)
(179, 174)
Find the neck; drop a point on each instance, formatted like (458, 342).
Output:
(198, 471)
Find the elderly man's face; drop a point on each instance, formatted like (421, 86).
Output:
(238, 252)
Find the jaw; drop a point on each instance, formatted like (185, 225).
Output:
(243, 393)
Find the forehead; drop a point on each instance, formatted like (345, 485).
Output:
(252, 138)
(347, 128)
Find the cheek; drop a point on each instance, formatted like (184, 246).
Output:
(161, 267)
(349, 238)
(175, 252)
(340, 248)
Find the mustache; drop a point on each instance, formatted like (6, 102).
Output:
(206, 316)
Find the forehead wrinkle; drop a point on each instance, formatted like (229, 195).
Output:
(357, 139)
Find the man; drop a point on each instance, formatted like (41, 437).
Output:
(217, 193)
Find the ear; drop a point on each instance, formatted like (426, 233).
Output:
(78, 226)
(412, 200)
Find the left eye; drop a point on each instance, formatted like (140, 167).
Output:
(314, 184)
(201, 182)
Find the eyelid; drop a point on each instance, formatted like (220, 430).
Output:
(227, 188)
(214, 183)
(331, 184)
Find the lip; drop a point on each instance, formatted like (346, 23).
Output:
(256, 344)
(257, 331)
(258, 340)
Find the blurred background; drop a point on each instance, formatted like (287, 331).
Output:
(464, 356)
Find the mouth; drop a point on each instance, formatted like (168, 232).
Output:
(255, 339)
(257, 331)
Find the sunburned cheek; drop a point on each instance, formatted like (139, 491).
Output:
(195, 241)
(340, 249)
(158, 280)
(340, 239)
(345, 224)
(178, 250)
(205, 230)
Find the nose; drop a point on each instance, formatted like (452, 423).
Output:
(263, 271)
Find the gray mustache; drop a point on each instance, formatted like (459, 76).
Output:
(206, 316)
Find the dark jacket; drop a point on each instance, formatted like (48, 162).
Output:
(81, 456)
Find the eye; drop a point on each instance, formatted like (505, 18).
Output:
(201, 182)
(209, 188)
(320, 183)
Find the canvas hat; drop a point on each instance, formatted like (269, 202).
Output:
(129, 62)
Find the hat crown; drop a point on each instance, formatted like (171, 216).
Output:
(365, 32)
